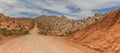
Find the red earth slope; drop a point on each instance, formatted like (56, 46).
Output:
(103, 35)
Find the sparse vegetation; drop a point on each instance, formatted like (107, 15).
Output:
(44, 33)
(15, 26)
(7, 32)
(62, 35)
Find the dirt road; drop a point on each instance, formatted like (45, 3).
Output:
(35, 43)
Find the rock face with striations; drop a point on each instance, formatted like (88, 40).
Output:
(53, 25)
(104, 35)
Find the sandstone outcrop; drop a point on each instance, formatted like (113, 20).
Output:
(54, 25)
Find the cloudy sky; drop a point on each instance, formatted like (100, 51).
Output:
(71, 8)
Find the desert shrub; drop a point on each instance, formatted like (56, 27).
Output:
(31, 27)
(23, 32)
(6, 32)
(61, 35)
(43, 33)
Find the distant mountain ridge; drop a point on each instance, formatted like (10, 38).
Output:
(49, 25)
(54, 25)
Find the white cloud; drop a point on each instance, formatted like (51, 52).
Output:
(1, 10)
(52, 5)
(6, 5)
(14, 7)
(9, 1)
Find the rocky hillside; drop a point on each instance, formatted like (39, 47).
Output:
(54, 25)
(104, 35)
(8, 24)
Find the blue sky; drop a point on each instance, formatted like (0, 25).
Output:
(74, 9)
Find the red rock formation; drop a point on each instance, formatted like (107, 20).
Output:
(15, 23)
(9, 27)
(103, 35)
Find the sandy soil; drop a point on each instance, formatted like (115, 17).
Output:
(4, 40)
(35, 43)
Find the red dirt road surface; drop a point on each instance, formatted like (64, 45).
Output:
(35, 43)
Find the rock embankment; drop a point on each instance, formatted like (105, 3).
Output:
(104, 35)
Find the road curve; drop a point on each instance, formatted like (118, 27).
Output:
(35, 43)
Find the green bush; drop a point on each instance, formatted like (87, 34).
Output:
(6, 32)
(23, 32)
